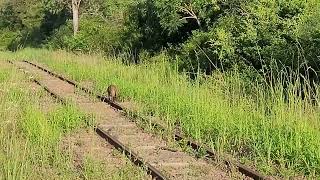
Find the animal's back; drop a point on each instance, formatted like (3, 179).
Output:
(112, 92)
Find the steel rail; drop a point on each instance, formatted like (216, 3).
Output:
(134, 157)
(178, 136)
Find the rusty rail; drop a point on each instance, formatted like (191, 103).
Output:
(178, 137)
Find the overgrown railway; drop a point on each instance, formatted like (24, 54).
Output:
(143, 149)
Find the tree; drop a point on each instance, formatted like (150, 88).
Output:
(55, 6)
(75, 15)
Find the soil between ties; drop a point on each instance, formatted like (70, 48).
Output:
(154, 150)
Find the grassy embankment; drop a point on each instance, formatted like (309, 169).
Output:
(258, 125)
(31, 130)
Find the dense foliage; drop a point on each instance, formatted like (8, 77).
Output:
(214, 34)
(202, 34)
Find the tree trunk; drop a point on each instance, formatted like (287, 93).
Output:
(75, 14)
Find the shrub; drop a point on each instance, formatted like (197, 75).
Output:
(218, 34)
(94, 36)
(6, 37)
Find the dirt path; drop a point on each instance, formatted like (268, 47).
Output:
(175, 165)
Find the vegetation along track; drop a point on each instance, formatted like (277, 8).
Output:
(177, 165)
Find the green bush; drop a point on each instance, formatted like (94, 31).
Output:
(6, 37)
(219, 34)
(94, 36)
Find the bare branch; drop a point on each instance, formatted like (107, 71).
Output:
(105, 19)
(78, 3)
(188, 10)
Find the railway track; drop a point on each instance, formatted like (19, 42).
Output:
(156, 174)
(134, 152)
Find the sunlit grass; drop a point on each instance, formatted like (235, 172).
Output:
(95, 169)
(255, 123)
(28, 144)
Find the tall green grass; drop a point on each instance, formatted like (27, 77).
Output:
(29, 138)
(270, 127)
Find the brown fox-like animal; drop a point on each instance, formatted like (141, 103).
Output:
(112, 92)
